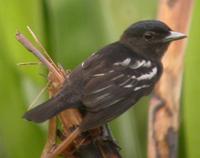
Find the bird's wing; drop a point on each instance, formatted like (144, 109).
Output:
(114, 79)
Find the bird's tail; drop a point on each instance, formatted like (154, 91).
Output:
(46, 110)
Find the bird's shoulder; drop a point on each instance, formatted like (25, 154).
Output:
(110, 54)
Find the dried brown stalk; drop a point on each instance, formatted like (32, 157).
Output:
(71, 141)
(164, 112)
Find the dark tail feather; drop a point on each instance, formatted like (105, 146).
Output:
(46, 110)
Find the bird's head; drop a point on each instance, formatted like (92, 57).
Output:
(150, 38)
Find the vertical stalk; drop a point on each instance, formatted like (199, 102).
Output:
(164, 112)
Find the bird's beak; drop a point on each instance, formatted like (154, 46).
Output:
(174, 36)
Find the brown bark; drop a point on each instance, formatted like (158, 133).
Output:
(165, 105)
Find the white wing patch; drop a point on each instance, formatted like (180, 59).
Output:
(93, 54)
(147, 64)
(133, 77)
(141, 63)
(85, 62)
(114, 102)
(117, 77)
(128, 86)
(101, 97)
(137, 64)
(148, 75)
(98, 75)
(125, 82)
(125, 62)
(82, 64)
(101, 89)
(138, 88)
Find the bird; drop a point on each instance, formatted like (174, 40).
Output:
(114, 78)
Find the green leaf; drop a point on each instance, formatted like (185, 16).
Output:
(18, 138)
(190, 118)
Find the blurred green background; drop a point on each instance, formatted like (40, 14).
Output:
(71, 30)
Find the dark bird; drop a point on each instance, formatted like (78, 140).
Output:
(114, 78)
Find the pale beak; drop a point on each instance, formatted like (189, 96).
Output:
(174, 36)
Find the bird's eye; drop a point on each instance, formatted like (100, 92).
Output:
(148, 35)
